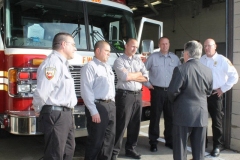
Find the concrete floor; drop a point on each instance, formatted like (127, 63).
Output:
(165, 153)
(15, 147)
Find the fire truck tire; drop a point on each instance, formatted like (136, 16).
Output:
(145, 114)
(4, 133)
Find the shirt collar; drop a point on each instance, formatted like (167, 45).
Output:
(133, 57)
(97, 61)
(166, 55)
(214, 57)
(61, 57)
(189, 59)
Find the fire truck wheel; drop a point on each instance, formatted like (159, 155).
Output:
(4, 133)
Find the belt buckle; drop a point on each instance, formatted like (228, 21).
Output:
(96, 101)
(136, 92)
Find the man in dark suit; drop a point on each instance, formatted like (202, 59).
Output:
(188, 90)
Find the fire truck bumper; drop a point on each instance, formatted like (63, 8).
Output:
(80, 121)
(23, 123)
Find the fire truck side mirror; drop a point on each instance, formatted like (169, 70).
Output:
(147, 47)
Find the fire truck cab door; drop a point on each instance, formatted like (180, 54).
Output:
(154, 34)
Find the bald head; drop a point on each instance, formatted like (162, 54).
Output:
(102, 51)
(131, 47)
(210, 47)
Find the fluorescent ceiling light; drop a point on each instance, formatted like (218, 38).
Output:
(153, 3)
(134, 8)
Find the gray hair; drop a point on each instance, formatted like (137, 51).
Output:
(194, 49)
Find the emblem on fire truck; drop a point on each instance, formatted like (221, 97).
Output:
(50, 72)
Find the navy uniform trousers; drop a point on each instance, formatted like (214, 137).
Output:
(159, 103)
(128, 116)
(101, 135)
(58, 129)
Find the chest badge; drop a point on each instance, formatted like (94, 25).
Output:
(50, 72)
(215, 63)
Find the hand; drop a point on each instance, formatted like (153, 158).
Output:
(150, 87)
(218, 92)
(96, 118)
(143, 58)
(36, 109)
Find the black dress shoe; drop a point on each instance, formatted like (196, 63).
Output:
(153, 148)
(133, 154)
(169, 145)
(215, 152)
(114, 157)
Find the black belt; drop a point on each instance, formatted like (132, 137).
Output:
(127, 91)
(102, 100)
(50, 108)
(162, 88)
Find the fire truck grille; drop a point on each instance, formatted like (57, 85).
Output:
(75, 72)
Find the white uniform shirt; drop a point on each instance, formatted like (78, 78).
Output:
(224, 73)
(97, 82)
(56, 88)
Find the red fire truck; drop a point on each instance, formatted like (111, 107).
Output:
(27, 31)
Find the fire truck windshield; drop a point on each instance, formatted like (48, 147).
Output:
(33, 23)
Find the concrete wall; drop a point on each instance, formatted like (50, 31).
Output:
(235, 128)
(189, 21)
(180, 26)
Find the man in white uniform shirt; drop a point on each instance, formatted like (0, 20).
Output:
(55, 98)
(224, 77)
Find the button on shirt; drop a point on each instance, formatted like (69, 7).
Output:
(97, 82)
(160, 68)
(59, 90)
(124, 65)
(224, 73)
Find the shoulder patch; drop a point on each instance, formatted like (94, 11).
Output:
(50, 72)
(229, 62)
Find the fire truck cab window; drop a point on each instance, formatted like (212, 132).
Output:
(111, 24)
(33, 25)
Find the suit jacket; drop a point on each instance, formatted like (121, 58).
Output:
(188, 90)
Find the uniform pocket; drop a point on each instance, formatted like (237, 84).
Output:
(68, 84)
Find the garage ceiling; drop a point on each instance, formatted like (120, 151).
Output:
(153, 9)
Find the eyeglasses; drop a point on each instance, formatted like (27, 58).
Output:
(73, 44)
(209, 45)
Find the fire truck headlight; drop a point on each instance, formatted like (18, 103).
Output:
(33, 88)
(23, 88)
